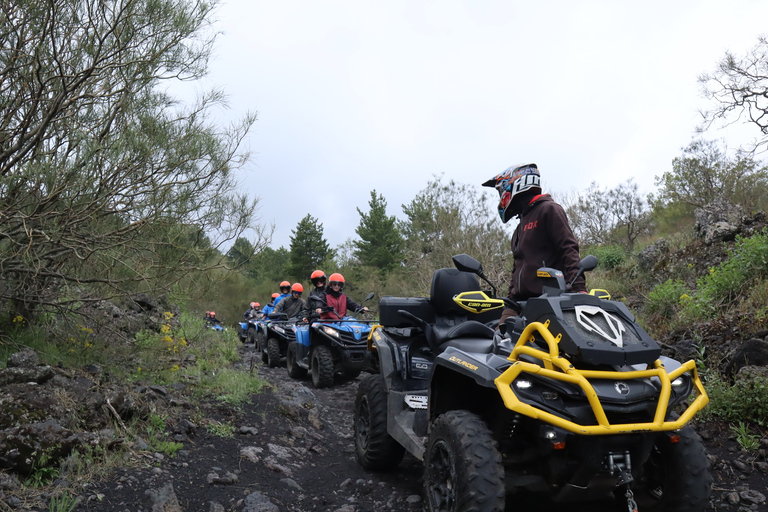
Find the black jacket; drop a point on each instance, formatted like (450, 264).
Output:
(294, 307)
(543, 239)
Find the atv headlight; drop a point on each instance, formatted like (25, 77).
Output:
(279, 329)
(330, 331)
(678, 382)
(523, 384)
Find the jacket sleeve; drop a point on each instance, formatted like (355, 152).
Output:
(353, 306)
(568, 246)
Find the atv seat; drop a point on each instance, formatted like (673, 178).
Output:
(452, 327)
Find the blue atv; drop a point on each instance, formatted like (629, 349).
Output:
(248, 331)
(329, 347)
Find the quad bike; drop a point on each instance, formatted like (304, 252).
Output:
(574, 402)
(328, 348)
(248, 330)
(276, 335)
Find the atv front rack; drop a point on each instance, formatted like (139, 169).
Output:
(558, 368)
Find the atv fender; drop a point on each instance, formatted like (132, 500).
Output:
(473, 365)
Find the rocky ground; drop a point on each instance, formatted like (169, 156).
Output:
(292, 450)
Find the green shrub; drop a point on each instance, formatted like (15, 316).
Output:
(667, 298)
(741, 401)
(609, 256)
(747, 263)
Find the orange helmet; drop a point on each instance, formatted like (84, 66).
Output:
(297, 287)
(285, 283)
(336, 278)
(256, 305)
(253, 305)
(213, 313)
(317, 276)
(275, 295)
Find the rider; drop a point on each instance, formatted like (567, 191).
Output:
(212, 320)
(294, 306)
(316, 299)
(337, 302)
(543, 238)
(285, 292)
(252, 312)
(269, 307)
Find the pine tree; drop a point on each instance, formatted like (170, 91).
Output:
(308, 248)
(381, 244)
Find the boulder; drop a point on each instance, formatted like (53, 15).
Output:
(27, 358)
(753, 352)
(718, 221)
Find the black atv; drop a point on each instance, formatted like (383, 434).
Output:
(329, 348)
(574, 402)
(273, 339)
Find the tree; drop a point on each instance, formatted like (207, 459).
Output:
(705, 172)
(448, 219)
(102, 172)
(609, 216)
(308, 248)
(739, 88)
(380, 244)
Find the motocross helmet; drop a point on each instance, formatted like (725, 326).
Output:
(513, 181)
(317, 278)
(285, 284)
(336, 278)
(297, 288)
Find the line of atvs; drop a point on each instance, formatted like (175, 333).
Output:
(570, 400)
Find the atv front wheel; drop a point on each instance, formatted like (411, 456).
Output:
(374, 447)
(251, 336)
(462, 465)
(273, 352)
(676, 476)
(294, 370)
(322, 367)
(261, 347)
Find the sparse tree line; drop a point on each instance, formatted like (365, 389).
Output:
(110, 186)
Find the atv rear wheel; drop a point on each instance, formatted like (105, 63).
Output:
(273, 352)
(321, 367)
(294, 370)
(676, 476)
(374, 447)
(462, 465)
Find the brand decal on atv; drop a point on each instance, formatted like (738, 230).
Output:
(421, 366)
(622, 388)
(463, 363)
(416, 401)
(588, 317)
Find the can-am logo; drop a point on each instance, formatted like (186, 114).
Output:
(609, 328)
(622, 388)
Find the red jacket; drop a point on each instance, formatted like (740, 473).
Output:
(543, 239)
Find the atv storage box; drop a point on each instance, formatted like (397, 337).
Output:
(418, 306)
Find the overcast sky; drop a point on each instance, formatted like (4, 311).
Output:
(361, 95)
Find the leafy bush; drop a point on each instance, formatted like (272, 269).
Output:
(748, 261)
(666, 298)
(741, 401)
(609, 256)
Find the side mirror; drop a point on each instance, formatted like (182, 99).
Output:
(588, 263)
(467, 263)
(368, 297)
